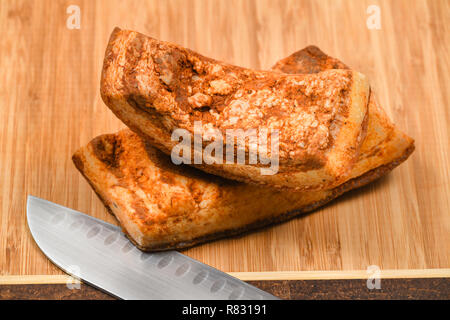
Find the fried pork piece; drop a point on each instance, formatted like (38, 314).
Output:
(155, 87)
(383, 142)
(162, 206)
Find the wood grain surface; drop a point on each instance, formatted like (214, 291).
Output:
(391, 289)
(50, 105)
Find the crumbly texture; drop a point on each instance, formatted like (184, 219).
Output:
(155, 87)
(161, 206)
(383, 140)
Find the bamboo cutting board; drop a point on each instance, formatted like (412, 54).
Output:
(50, 105)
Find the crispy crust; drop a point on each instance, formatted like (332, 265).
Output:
(308, 60)
(383, 141)
(366, 178)
(111, 164)
(116, 162)
(156, 87)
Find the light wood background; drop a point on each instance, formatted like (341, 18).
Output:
(50, 105)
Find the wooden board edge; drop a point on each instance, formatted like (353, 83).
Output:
(258, 276)
(342, 274)
(36, 279)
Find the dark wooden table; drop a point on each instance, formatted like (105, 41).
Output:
(430, 288)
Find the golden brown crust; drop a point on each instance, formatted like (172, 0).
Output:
(156, 87)
(162, 206)
(308, 60)
(366, 178)
(382, 137)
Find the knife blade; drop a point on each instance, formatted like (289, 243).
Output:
(105, 258)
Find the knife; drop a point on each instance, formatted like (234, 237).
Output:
(105, 258)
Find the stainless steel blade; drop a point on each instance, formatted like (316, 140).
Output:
(105, 258)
